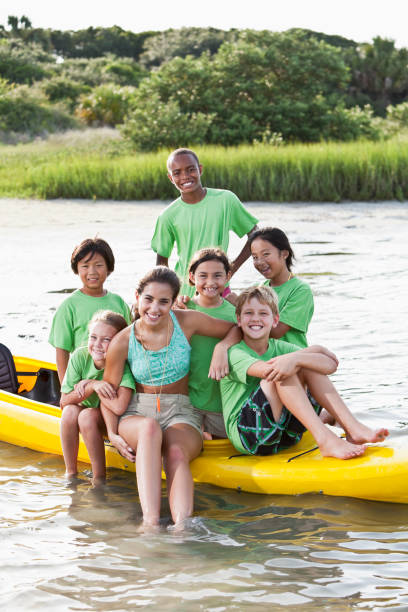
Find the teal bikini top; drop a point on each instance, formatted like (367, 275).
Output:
(177, 364)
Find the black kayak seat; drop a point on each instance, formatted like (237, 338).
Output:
(46, 388)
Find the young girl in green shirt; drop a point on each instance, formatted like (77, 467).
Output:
(208, 272)
(272, 256)
(83, 388)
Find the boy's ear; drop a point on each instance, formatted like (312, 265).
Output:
(238, 320)
(170, 178)
(275, 320)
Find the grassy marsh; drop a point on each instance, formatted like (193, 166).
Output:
(96, 165)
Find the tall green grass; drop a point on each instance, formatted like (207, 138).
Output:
(361, 171)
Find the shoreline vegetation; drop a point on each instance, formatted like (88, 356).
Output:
(95, 164)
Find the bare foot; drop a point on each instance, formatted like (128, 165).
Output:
(207, 436)
(148, 528)
(98, 482)
(361, 434)
(332, 446)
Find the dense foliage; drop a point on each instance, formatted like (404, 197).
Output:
(201, 85)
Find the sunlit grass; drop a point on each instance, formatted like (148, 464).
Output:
(95, 164)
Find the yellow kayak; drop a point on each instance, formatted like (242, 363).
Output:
(27, 419)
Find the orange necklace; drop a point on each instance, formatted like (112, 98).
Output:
(147, 360)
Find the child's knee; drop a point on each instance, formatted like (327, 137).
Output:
(89, 419)
(70, 414)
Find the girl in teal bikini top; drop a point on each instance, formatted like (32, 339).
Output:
(176, 357)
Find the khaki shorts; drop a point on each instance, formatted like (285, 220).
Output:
(174, 408)
(213, 422)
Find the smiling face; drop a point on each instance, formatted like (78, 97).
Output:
(256, 319)
(210, 279)
(100, 335)
(185, 173)
(154, 303)
(93, 271)
(269, 261)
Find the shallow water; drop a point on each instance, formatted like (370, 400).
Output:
(78, 549)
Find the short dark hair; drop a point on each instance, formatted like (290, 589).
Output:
(277, 238)
(213, 254)
(90, 246)
(182, 152)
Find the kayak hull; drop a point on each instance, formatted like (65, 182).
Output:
(381, 474)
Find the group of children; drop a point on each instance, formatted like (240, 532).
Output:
(197, 360)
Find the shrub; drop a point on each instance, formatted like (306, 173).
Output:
(347, 124)
(60, 89)
(23, 111)
(105, 105)
(157, 124)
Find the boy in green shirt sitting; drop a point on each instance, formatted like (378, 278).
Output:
(269, 396)
(201, 217)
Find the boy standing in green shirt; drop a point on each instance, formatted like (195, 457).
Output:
(269, 396)
(200, 217)
(93, 261)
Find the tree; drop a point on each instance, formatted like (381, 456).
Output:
(379, 74)
(166, 45)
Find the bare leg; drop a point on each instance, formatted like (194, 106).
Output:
(92, 428)
(182, 443)
(144, 435)
(326, 394)
(293, 396)
(69, 431)
(111, 422)
(273, 398)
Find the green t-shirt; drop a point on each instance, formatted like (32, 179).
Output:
(69, 329)
(81, 366)
(197, 226)
(295, 309)
(204, 392)
(238, 385)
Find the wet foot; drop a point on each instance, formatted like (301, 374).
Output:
(362, 434)
(98, 482)
(148, 528)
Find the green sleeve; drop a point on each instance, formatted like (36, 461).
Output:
(128, 379)
(73, 374)
(242, 221)
(126, 313)
(239, 361)
(163, 238)
(62, 329)
(298, 310)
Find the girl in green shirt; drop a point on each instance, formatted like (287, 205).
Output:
(272, 256)
(81, 391)
(209, 272)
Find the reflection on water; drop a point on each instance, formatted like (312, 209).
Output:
(77, 548)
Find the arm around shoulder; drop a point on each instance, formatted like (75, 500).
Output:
(116, 357)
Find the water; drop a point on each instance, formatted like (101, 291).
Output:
(70, 548)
